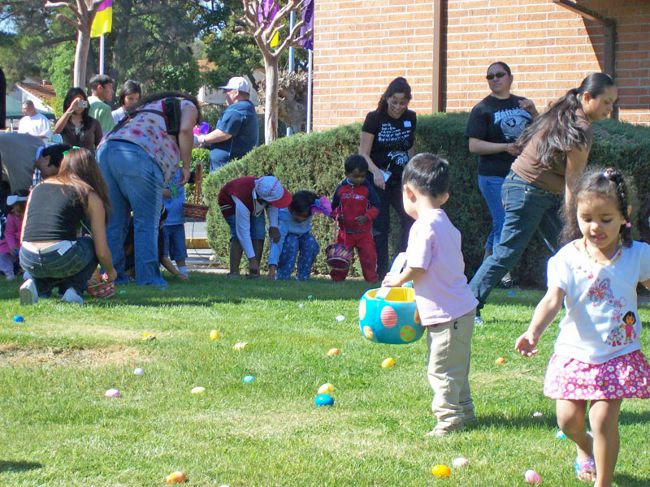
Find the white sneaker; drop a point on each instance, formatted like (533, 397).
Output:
(28, 293)
(71, 296)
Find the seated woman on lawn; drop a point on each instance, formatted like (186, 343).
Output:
(296, 237)
(51, 251)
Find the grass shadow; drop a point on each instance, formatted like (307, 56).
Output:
(630, 481)
(18, 466)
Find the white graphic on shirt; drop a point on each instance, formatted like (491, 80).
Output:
(512, 122)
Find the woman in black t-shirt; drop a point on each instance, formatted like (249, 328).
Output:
(492, 129)
(52, 252)
(387, 139)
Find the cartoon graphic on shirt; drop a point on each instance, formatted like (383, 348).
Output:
(624, 333)
(512, 122)
(600, 291)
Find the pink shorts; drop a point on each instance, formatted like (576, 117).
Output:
(627, 376)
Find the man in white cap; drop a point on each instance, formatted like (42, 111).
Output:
(242, 202)
(237, 130)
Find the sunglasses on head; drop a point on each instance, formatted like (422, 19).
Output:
(498, 75)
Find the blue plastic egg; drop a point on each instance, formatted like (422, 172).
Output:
(324, 400)
(248, 379)
(391, 318)
(19, 319)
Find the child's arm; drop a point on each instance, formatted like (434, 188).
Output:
(374, 203)
(171, 268)
(544, 314)
(408, 274)
(275, 249)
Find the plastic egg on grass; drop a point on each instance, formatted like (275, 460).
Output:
(441, 471)
(147, 337)
(532, 477)
(240, 346)
(340, 318)
(248, 379)
(177, 477)
(324, 400)
(326, 388)
(215, 335)
(19, 319)
(113, 393)
(388, 363)
(460, 462)
(500, 361)
(333, 352)
(538, 414)
(560, 435)
(198, 390)
(301, 305)
(138, 371)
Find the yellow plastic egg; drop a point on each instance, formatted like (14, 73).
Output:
(388, 363)
(177, 477)
(333, 352)
(215, 335)
(500, 361)
(441, 471)
(326, 388)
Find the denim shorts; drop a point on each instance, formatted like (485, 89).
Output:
(258, 227)
(53, 265)
(174, 242)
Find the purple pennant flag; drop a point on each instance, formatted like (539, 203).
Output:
(307, 16)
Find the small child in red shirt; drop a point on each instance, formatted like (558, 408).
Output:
(355, 204)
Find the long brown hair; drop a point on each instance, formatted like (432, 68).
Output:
(398, 85)
(559, 128)
(80, 170)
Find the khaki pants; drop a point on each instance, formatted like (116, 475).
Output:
(448, 371)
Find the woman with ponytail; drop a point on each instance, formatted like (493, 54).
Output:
(554, 152)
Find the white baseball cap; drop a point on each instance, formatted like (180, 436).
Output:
(270, 189)
(237, 83)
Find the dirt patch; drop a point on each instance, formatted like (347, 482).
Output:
(13, 355)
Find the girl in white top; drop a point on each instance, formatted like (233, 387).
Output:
(598, 358)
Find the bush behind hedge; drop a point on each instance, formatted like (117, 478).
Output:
(315, 162)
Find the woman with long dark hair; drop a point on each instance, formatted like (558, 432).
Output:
(51, 252)
(128, 98)
(137, 158)
(387, 139)
(76, 126)
(554, 152)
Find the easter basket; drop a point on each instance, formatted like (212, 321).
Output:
(390, 315)
(338, 256)
(196, 211)
(101, 287)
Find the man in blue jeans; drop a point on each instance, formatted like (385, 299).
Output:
(237, 130)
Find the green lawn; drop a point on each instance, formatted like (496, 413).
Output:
(57, 428)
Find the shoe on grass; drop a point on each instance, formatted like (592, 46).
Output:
(585, 469)
(72, 296)
(28, 292)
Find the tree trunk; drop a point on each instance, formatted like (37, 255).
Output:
(81, 58)
(271, 102)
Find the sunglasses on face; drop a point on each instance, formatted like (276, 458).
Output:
(498, 75)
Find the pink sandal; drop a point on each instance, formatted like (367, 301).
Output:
(585, 469)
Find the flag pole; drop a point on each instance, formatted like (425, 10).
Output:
(101, 54)
(310, 54)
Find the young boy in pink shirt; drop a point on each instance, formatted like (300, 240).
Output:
(434, 263)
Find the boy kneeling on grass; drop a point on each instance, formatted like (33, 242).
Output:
(242, 202)
(434, 263)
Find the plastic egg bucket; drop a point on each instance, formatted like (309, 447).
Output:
(392, 319)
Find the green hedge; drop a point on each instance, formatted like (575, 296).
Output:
(315, 162)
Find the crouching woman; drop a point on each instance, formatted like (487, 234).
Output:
(52, 252)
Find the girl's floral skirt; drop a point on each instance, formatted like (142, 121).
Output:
(627, 376)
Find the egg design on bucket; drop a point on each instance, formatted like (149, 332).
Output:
(390, 316)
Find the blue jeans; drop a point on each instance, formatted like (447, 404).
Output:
(216, 160)
(307, 247)
(73, 269)
(527, 209)
(258, 227)
(490, 187)
(174, 242)
(135, 183)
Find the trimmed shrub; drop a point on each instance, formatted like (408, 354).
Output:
(315, 162)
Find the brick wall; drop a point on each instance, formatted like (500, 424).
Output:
(361, 46)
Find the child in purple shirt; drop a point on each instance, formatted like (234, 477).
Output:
(434, 263)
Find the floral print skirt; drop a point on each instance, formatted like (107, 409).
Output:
(627, 376)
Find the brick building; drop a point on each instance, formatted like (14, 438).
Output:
(443, 48)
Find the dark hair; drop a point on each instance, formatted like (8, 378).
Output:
(169, 94)
(398, 85)
(606, 183)
(55, 152)
(559, 129)
(99, 80)
(80, 170)
(129, 87)
(428, 173)
(73, 93)
(355, 161)
(505, 67)
(301, 202)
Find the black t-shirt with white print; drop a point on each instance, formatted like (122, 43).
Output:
(393, 139)
(498, 121)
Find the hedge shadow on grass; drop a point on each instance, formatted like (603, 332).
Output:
(18, 466)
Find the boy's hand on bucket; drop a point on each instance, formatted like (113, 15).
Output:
(391, 280)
